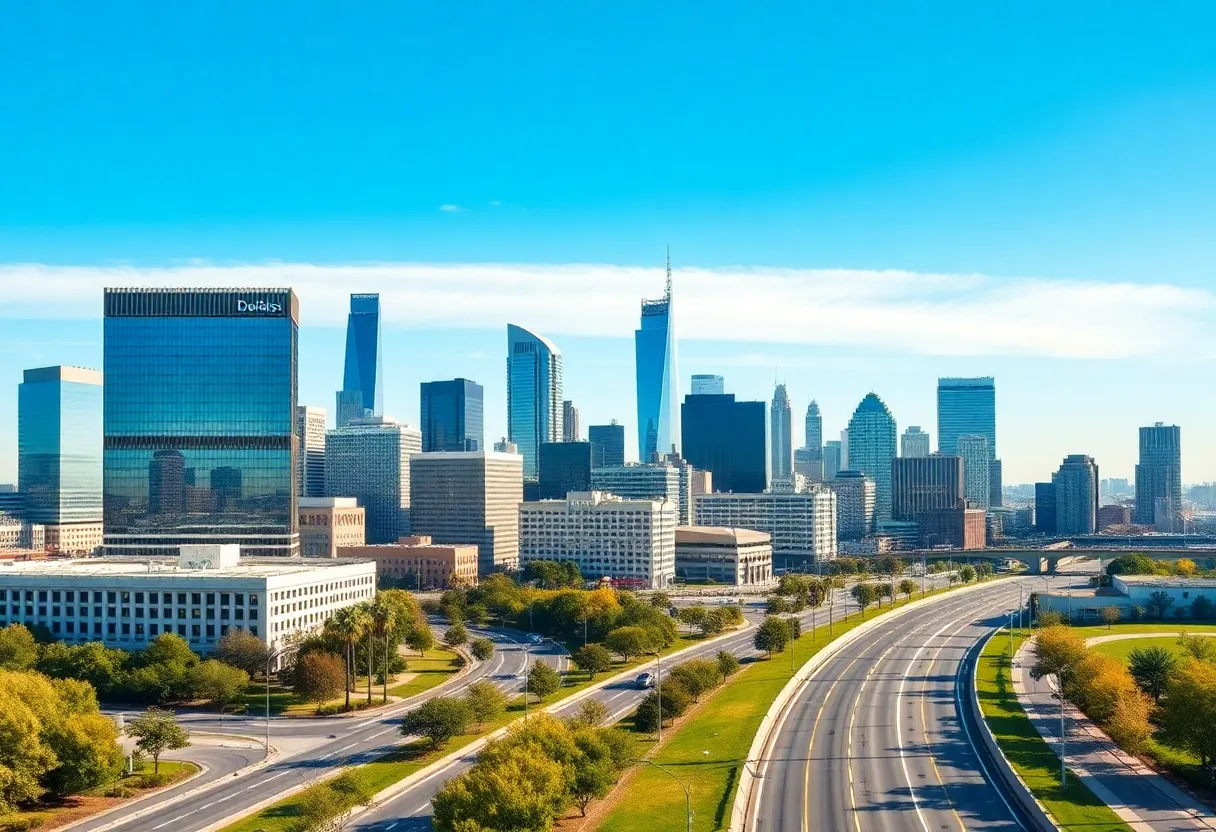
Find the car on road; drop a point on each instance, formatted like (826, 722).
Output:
(535, 638)
(644, 681)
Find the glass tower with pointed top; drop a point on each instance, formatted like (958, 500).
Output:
(872, 444)
(658, 386)
(362, 392)
(534, 394)
(781, 435)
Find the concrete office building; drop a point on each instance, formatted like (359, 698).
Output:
(310, 462)
(657, 375)
(21, 535)
(1159, 478)
(453, 415)
(1114, 515)
(631, 541)
(925, 483)
(803, 526)
(1076, 486)
(704, 384)
(417, 563)
(973, 448)
(959, 528)
(470, 497)
(831, 459)
(856, 505)
(659, 481)
(727, 438)
(534, 394)
(200, 595)
(607, 445)
(735, 557)
(781, 435)
(564, 467)
(369, 459)
(914, 443)
(362, 393)
(330, 523)
(701, 482)
(571, 429)
(200, 420)
(871, 447)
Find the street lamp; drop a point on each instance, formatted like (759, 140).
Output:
(270, 658)
(687, 791)
(527, 668)
(659, 688)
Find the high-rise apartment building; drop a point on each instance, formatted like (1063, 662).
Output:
(369, 459)
(996, 481)
(965, 406)
(310, 462)
(658, 382)
(362, 392)
(59, 455)
(1158, 477)
(534, 394)
(632, 542)
(200, 420)
(914, 443)
(831, 459)
(645, 481)
(564, 467)
(607, 445)
(856, 504)
(452, 415)
(470, 497)
(925, 483)
(726, 438)
(704, 384)
(571, 429)
(1076, 485)
(803, 526)
(872, 446)
(973, 448)
(781, 442)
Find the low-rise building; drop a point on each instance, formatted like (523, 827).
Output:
(1114, 515)
(128, 601)
(956, 528)
(1153, 596)
(630, 541)
(802, 526)
(738, 557)
(18, 534)
(330, 523)
(417, 563)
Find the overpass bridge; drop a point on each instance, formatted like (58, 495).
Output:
(1042, 560)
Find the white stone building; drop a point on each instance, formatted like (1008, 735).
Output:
(803, 526)
(738, 557)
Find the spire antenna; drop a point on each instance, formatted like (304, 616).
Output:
(669, 272)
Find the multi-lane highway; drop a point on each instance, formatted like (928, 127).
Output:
(881, 737)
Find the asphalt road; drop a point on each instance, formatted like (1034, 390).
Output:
(880, 738)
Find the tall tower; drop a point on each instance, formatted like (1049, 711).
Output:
(1159, 476)
(973, 448)
(782, 435)
(658, 385)
(914, 443)
(814, 428)
(966, 406)
(1076, 503)
(362, 392)
(872, 447)
(534, 394)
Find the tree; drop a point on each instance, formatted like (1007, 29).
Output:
(1188, 717)
(697, 676)
(1151, 668)
(629, 642)
(482, 649)
(967, 574)
(456, 635)
(155, 732)
(218, 683)
(1129, 724)
(1185, 567)
(660, 600)
(727, 664)
(18, 648)
(1111, 616)
(1197, 647)
(772, 635)
(319, 677)
(240, 648)
(907, 587)
(777, 605)
(1159, 603)
(438, 719)
(1097, 684)
(486, 702)
(1134, 564)
(592, 658)
(1050, 618)
(795, 627)
(512, 788)
(864, 595)
(328, 807)
(1058, 651)
(542, 680)
(592, 781)
(675, 701)
(715, 621)
(1202, 608)
(692, 616)
(590, 713)
(347, 626)
(384, 613)
(420, 638)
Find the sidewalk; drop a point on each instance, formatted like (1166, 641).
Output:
(1145, 800)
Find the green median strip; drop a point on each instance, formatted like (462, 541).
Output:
(1073, 806)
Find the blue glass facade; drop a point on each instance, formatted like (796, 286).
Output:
(727, 438)
(965, 406)
(362, 392)
(59, 441)
(564, 467)
(452, 416)
(657, 378)
(200, 412)
(534, 394)
(607, 445)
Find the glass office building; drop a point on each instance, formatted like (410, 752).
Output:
(872, 446)
(199, 419)
(727, 438)
(534, 394)
(452, 416)
(658, 386)
(965, 406)
(362, 392)
(607, 445)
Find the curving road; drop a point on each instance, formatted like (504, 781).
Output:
(880, 738)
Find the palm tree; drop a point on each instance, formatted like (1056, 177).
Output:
(348, 625)
(385, 617)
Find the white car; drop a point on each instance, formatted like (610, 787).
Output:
(535, 638)
(645, 681)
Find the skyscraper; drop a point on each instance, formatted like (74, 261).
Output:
(782, 435)
(856, 504)
(872, 446)
(1045, 508)
(814, 427)
(369, 459)
(831, 459)
(726, 438)
(1076, 485)
(534, 394)
(704, 384)
(571, 429)
(200, 383)
(658, 384)
(920, 484)
(59, 447)
(1158, 476)
(973, 448)
(607, 445)
(914, 443)
(965, 406)
(564, 467)
(452, 415)
(362, 392)
(310, 463)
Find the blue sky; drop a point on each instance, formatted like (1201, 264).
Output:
(857, 198)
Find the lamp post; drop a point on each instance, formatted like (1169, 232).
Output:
(1010, 612)
(527, 667)
(270, 658)
(659, 688)
(687, 792)
(1063, 740)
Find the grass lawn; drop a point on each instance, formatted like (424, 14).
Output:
(1094, 630)
(1074, 806)
(724, 724)
(433, 668)
(1122, 649)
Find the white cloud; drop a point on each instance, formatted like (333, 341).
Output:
(450, 208)
(890, 310)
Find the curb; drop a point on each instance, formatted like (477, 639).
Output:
(202, 769)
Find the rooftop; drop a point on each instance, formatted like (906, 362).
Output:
(118, 567)
(720, 534)
(1168, 581)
